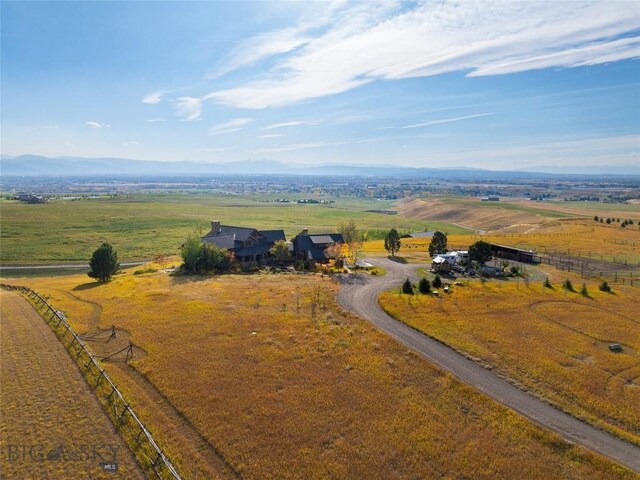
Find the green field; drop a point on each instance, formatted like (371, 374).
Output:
(146, 225)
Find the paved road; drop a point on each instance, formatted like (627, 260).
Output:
(359, 294)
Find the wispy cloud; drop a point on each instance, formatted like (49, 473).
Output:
(230, 126)
(188, 109)
(93, 124)
(293, 123)
(155, 120)
(273, 135)
(361, 43)
(154, 97)
(446, 120)
(131, 143)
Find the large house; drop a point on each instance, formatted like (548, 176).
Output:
(248, 244)
(313, 247)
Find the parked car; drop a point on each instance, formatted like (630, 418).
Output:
(615, 347)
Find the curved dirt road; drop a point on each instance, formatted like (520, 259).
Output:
(359, 294)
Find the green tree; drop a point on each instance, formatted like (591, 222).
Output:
(583, 291)
(280, 250)
(595, 218)
(567, 285)
(437, 281)
(438, 244)
(604, 286)
(424, 286)
(191, 251)
(353, 239)
(480, 252)
(392, 242)
(350, 232)
(547, 283)
(104, 263)
(407, 287)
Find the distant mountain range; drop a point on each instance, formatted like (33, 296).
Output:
(34, 165)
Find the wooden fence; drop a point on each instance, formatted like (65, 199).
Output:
(144, 447)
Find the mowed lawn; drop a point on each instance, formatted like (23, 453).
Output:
(553, 342)
(284, 385)
(51, 424)
(147, 225)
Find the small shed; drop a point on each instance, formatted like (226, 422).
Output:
(440, 264)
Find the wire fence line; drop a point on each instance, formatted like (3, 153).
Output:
(150, 456)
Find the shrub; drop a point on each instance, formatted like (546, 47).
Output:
(437, 282)
(583, 291)
(145, 270)
(604, 287)
(407, 287)
(515, 270)
(567, 285)
(547, 283)
(424, 286)
(198, 257)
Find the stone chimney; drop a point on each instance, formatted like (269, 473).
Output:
(305, 232)
(215, 227)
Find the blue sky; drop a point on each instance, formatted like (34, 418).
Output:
(499, 85)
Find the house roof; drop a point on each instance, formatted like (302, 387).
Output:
(321, 239)
(315, 249)
(225, 240)
(273, 235)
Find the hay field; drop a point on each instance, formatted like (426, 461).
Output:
(247, 377)
(46, 404)
(553, 342)
(472, 213)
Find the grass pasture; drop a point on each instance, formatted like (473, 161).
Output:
(553, 342)
(508, 215)
(150, 224)
(276, 387)
(51, 424)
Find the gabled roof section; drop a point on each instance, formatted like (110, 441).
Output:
(321, 239)
(273, 235)
(224, 240)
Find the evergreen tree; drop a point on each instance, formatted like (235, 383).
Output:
(424, 286)
(438, 244)
(437, 282)
(392, 242)
(407, 287)
(104, 263)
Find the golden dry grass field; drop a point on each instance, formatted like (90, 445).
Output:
(577, 237)
(553, 342)
(236, 377)
(46, 404)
